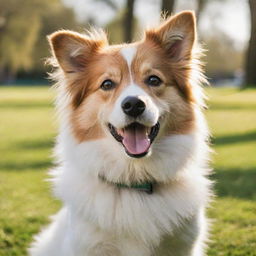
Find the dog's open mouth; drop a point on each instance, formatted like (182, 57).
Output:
(136, 138)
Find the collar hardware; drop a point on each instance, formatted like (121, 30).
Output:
(146, 187)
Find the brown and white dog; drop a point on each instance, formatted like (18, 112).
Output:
(132, 147)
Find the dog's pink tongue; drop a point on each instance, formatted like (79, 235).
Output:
(135, 139)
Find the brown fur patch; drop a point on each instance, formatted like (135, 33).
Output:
(90, 99)
(151, 60)
(176, 36)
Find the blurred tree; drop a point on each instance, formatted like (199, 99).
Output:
(223, 57)
(18, 33)
(110, 3)
(128, 21)
(57, 17)
(125, 18)
(200, 7)
(115, 29)
(167, 7)
(201, 4)
(250, 68)
(20, 25)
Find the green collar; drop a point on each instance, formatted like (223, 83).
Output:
(142, 187)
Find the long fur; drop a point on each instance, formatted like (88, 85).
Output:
(99, 219)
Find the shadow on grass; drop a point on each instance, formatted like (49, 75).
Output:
(29, 146)
(221, 106)
(230, 139)
(235, 183)
(36, 144)
(22, 166)
(25, 105)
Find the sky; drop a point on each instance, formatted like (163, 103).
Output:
(229, 16)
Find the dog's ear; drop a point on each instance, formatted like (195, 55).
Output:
(177, 35)
(73, 50)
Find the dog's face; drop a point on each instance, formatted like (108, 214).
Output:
(134, 93)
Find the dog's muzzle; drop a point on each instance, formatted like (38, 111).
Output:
(136, 138)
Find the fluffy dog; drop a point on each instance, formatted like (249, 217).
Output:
(132, 147)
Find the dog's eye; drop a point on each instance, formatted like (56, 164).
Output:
(107, 85)
(153, 81)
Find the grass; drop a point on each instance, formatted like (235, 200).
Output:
(232, 118)
(27, 131)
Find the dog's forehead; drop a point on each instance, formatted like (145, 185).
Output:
(128, 53)
(134, 57)
(142, 56)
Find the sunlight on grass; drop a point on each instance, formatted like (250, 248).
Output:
(28, 127)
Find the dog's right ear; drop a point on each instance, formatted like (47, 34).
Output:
(73, 50)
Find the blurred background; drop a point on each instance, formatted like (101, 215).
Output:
(227, 30)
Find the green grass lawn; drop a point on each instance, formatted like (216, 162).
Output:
(27, 130)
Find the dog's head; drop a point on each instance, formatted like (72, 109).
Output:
(134, 93)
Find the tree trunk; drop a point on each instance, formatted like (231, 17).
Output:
(2, 77)
(128, 21)
(10, 76)
(167, 7)
(200, 7)
(7, 76)
(250, 68)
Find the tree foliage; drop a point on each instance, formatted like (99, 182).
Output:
(22, 25)
(56, 18)
(222, 56)
(18, 33)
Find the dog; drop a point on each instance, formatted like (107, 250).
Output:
(132, 151)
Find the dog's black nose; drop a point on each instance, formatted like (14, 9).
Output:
(133, 106)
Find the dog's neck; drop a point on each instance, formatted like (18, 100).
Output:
(140, 187)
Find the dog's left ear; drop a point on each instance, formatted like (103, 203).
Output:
(177, 35)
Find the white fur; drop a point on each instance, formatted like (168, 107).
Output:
(98, 219)
(128, 54)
